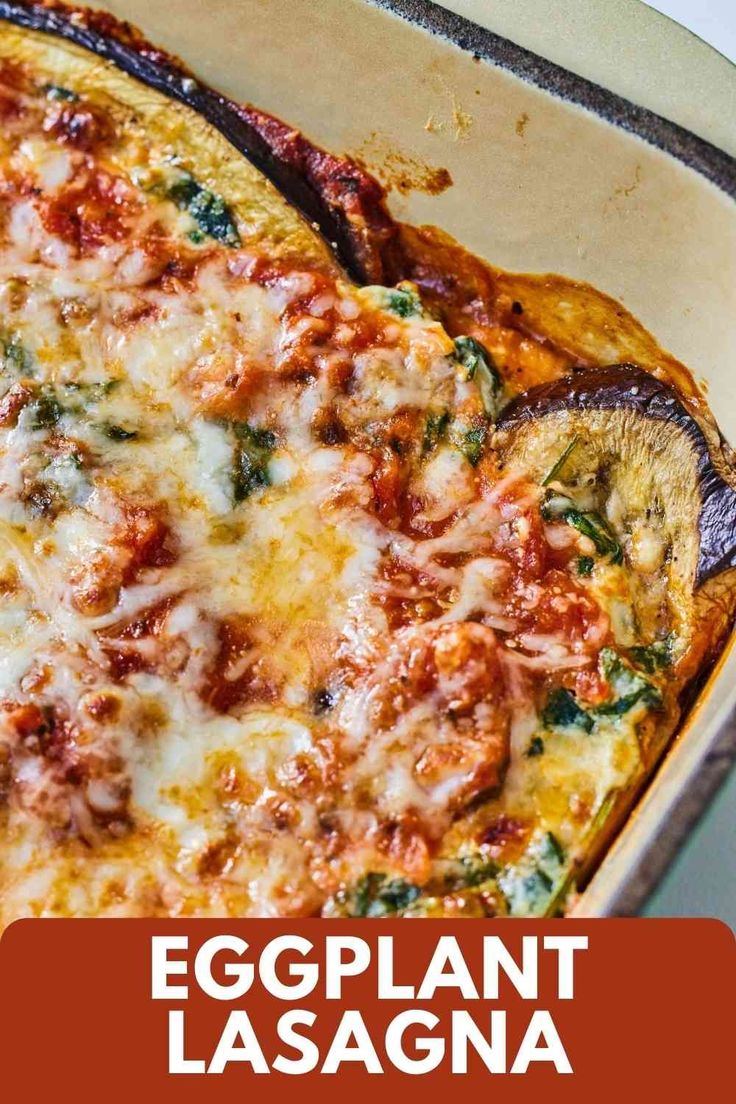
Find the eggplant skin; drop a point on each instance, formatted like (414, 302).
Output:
(333, 193)
(626, 387)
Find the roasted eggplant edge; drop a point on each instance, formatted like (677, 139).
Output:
(695, 465)
(621, 389)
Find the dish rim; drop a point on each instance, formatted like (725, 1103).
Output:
(698, 154)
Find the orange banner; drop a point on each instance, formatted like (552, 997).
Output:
(211, 1010)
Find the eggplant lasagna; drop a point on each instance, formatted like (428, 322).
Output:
(319, 595)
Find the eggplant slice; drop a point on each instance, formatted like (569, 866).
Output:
(334, 195)
(659, 477)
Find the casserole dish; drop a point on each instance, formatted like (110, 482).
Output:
(409, 174)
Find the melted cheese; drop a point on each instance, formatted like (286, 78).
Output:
(261, 632)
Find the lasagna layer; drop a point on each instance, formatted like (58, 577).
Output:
(279, 634)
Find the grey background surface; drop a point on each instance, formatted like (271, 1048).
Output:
(713, 20)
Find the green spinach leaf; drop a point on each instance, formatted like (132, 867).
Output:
(479, 366)
(253, 451)
(376, 895)
(471, 444)
(404, 302)
(628, 687)
(209, 211)
(563, 711)
(434, 431)
(558, 507)
(653, 657)
(559, 464)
